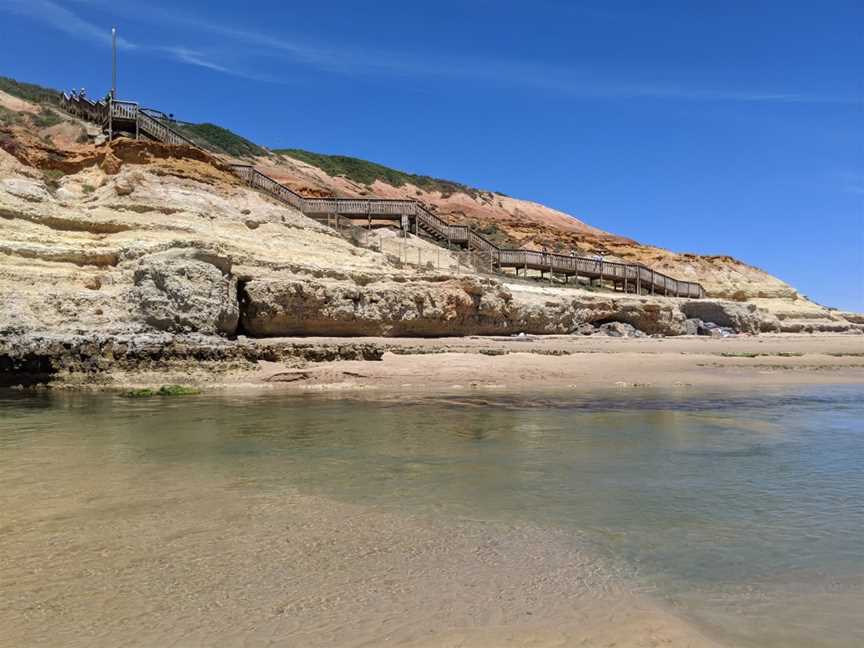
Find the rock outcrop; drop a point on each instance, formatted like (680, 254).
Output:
(743, 318)
(442, 306)
(186, 291)
(35, 358)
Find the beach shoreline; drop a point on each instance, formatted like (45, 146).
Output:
(413, 365)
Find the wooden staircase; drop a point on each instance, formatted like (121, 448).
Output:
(127, 117)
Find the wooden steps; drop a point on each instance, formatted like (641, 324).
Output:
(126, 116)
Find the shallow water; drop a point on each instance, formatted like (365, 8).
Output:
(744, 512)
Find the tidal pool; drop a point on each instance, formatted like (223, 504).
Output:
(741, 513)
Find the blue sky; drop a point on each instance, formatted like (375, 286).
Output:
(719, 128)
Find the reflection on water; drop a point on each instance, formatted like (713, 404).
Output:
(744, 510)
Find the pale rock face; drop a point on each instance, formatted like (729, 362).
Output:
(186, 291)
(692, 326)
(172, 245)
(744, 318)
(856, 318)
(284, 307)
(29, 190)
(652, 318)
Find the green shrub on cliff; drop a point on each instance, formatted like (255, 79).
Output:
(29, 91)
(220, 140)
(46, 118)
(366, 173)
(9, 117)
(51, 178)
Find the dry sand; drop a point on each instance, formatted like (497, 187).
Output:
(522, 363)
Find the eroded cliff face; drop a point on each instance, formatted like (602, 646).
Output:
(441, 306)
(152, 246)
(130, 240)
(522, 223)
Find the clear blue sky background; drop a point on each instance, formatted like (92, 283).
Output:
(712, 127)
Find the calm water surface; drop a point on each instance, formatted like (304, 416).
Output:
(745, 511)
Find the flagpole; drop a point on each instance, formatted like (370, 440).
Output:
(113, 62)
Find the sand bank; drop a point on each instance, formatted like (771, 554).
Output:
(518, 363)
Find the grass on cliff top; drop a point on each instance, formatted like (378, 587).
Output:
(221, 140)
(209, 136)
(46, 118)
(30, 91)
(366, 173)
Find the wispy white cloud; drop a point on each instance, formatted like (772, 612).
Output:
(64, 20)
(237, 44)
(254, 42)
(541, 76)
(193, 57)
(205, 60)
(322, 57)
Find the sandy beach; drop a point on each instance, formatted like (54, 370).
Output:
(547, 362)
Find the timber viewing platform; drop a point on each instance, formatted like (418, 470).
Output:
(127, 117)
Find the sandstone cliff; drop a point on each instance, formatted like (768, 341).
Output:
(522, 223)
(109, 241)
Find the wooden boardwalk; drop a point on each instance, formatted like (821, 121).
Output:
(128, 117)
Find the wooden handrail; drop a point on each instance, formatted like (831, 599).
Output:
(152, 122)
(161, 132)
